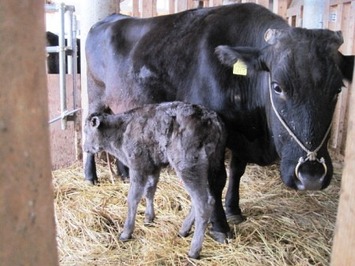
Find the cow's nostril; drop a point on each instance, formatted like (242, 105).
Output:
(310, 175)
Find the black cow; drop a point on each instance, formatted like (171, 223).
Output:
(188, 137)
(279, 104)
(53, 58)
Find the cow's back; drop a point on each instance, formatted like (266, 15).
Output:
(136, 61)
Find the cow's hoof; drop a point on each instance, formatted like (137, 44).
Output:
(219, 237)
(235, 218)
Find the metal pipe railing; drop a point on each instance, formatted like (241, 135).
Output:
(64, 50)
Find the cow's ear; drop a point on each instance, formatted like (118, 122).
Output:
(251, 57)
(95, 122)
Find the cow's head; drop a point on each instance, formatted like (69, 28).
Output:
(305, 75)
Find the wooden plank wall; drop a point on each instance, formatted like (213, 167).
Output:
(340, 15)
(344, 238)
(148, 8)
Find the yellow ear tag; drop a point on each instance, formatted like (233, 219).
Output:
(240, 68)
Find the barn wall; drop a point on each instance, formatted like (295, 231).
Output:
(340, 15)
(65, 144)
(145, 8)
(27, 228)
(344, 239)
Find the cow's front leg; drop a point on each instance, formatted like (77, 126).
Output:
(90, 169)
(135, 194)
(217, 178)
(122, 170)
(236, 170)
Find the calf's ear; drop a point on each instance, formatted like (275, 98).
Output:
(251, 57)
(95, 122)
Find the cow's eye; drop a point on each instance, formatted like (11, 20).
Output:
(276, 87)
(339, 90)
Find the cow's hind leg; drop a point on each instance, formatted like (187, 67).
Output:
(135, 193)
(90, 169)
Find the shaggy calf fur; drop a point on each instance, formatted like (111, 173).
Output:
(188, 137)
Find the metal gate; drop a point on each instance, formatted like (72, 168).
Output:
(68, 52)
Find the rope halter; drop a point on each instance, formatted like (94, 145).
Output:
(311, 155)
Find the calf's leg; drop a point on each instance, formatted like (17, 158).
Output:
(196, 185)
(188, 223)
(135, 193)
(150, 188)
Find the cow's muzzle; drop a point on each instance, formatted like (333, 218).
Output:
(306, 181)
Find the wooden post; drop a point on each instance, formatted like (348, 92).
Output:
(181, 5)
(280, 7)
(264, 3)
(344, 239)
(171, 6)
(149, 8)
(216, 2)
(27, 228)
(135, 8)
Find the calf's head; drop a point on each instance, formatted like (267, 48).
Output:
(303, 75)
(94, 136)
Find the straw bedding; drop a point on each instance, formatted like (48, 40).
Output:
(282, 227)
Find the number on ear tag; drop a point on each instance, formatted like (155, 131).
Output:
(240, 68)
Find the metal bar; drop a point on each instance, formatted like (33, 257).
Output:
(56, 49)
(64, 50)
(62, 67)
(70, 44)
(52, 49)
(51, 8)
(67, 113)
(75, 59)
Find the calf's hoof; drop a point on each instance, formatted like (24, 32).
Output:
(219, 237)
(125, 237)
(184, 233)
(149, 220)
(194, 255)
(235, 218)
(90, 182)
(125, 179)
(149, 223)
